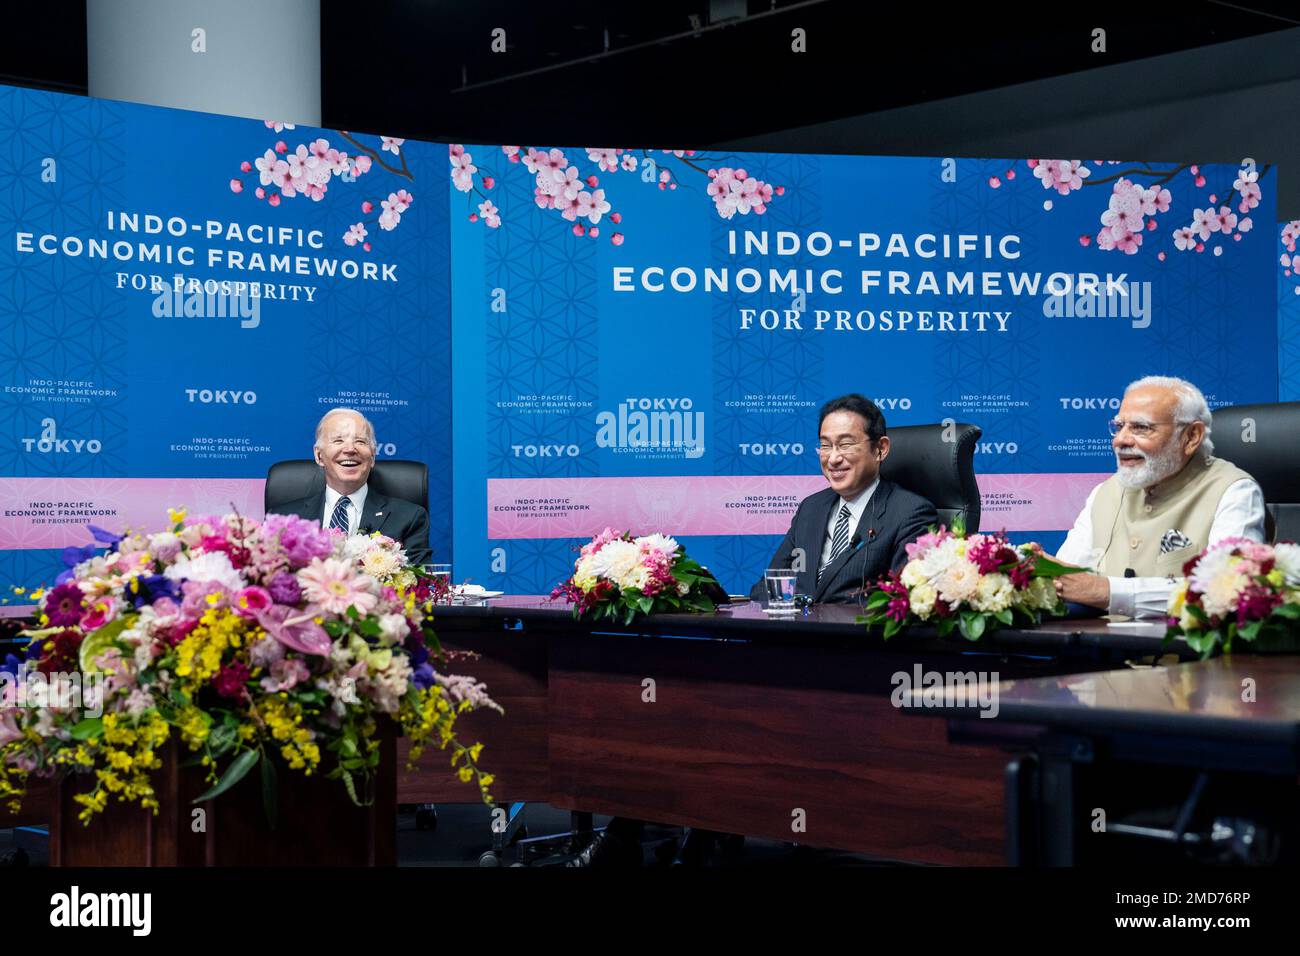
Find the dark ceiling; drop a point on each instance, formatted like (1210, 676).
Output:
(673, 72)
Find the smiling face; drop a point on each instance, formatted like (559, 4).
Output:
(850, 470)
(346, 450)
(1145, 460)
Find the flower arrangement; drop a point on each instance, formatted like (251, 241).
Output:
(617, 576)
(973, 584)
(1238, 589)
(243, 639)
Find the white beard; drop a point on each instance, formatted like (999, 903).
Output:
(1154, 469)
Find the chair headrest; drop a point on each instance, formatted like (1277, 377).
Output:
(938, 463)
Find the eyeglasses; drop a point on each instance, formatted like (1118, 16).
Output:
(1137, 429)
(845, 448)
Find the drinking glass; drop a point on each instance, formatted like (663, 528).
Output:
(780, 589)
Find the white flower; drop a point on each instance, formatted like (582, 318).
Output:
(379, 563)
(959, 583)
(164, 546)
(921, 600)
(913, 573)
(393, 628)
(214, 566)
(659, 542)
(993, 593)
(1287, 560)
(616, 560)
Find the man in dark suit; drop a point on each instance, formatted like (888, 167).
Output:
(851, 533)
(345, 450)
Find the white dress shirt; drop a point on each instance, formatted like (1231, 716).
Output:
(356, 502)
(856, 507)
(1240, 514)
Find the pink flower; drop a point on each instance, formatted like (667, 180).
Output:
(1128, 242)
(335, 586)
(462, 169)
(1226, 219)
(629, 163)
(99, 613)
(1204, 222)
(512, 153)
(236, 186)
(389, 220)
(356, 233)
(1245, 225)
(401, 200)
(286, 673)
(361, 165)
(490, 213)
(250, 601)
(606, 159)
(1184, 238)
(266, 167)
(392, 144)
(296, 630)
(278, 126)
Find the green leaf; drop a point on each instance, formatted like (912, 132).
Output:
(1005, 617)
(892, 627)
(945, 625)
(1287, 610)
(1045, 567)
(88, 729)
(222, 739)
(369, 627)
(877, 599)
(350, 787)
(645, 604)
(236, 772)
(270, 792)
(353, 613)
(1248, 632)
(972, 625)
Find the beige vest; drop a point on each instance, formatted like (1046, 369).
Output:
(1128, 524)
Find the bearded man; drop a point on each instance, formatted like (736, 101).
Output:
(1168, 500)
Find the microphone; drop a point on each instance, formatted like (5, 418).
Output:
(365, 529)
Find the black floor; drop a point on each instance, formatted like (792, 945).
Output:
(463, 835)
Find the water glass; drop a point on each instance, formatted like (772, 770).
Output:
(780, 589)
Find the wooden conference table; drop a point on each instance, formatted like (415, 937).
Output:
(774, 727)
(1085, 736)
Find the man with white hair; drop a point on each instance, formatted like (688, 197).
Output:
(345, 450)
(1168, 500)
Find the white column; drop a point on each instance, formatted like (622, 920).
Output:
(256, 58)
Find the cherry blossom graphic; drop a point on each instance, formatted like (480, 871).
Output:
(578, 197)
(308, 170)
(1138, 196)
(1290, 260)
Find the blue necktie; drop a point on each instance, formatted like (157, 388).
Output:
(340, 517)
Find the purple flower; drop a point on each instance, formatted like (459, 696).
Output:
(150, 587)
(296, 630)
(63, 605)
(301, 539)
(422, 676)
(284, 589)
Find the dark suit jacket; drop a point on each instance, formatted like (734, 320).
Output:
(893, 518)
(400, 520)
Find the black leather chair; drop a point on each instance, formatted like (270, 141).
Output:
(938, 463)
(291, 480)
(1261, 439)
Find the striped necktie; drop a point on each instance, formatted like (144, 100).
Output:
(839, 539)
(340, 517)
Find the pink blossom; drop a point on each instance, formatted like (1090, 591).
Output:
(296, 630)
(1184, 238)
(285, 674)
(1106, 239)
(1128, 242)
(401, 200)
(367, 207)
(1245, 225)
(1226, 219)
(251, 600)
(1250, 196)
(512, 152)
(1204, 222)
(462, 170)
(392, 144)
(356, 233)
(1063, 175)
(245, 167)
(236, 186)
(569, 208)
(388, 220)
(617, 238)
(606, 159)
(543, 200)
(9, 727)
(278, 126)
(490, 213)
(361, 165)
(266, 167)
(335, 586)
(99, 613)
(596, 205)
(568, 184)
(629, 163)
